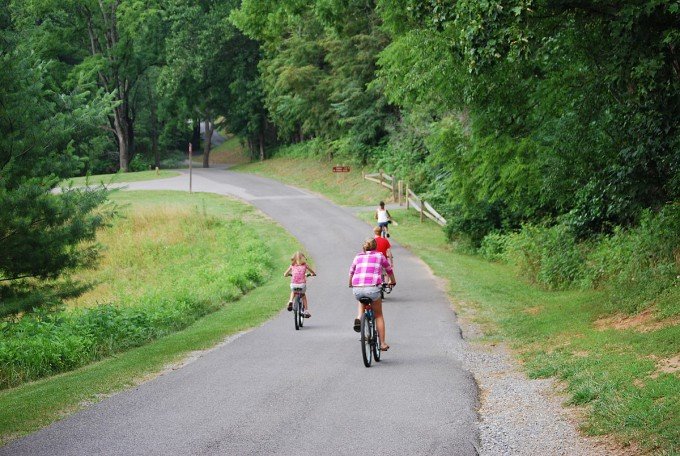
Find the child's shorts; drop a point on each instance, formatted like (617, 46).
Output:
(367, 292)
(301, 287)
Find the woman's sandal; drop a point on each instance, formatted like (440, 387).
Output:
(357, 325)
(385, 348)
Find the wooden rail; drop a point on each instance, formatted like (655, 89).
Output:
(404, 195)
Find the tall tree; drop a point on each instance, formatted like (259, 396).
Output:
(42, 232)
(201, 46)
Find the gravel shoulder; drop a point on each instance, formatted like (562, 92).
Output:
(523, 416)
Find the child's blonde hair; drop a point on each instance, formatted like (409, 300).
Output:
(298, 258)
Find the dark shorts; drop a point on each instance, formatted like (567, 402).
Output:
(383, 224)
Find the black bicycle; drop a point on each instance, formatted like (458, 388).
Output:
(298, 307)
(370, 339)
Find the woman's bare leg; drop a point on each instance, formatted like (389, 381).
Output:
(380, 321)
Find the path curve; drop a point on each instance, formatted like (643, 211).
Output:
(278, 391)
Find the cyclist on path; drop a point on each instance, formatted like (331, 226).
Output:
(383, 217)
(365, 278)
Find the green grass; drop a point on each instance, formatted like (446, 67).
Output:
(230, 152)
(616, 374)
(315, 174)
(28, 407)
(107, 179)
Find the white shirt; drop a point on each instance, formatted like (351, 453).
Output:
(382, 216)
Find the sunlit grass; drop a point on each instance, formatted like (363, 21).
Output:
(107, 179)
(315, 174)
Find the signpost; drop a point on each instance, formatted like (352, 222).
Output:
(190, 166)
(341, 169)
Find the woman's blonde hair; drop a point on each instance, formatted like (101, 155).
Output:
(298, 258)
(369, 244)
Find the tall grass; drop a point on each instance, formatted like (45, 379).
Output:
(163, 268)
(637, 267)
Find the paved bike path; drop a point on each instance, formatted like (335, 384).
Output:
(275, 390)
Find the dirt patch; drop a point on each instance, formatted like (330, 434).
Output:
(533, 310)
(645, 321)
(667, 366)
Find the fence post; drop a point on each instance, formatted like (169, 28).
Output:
(406, 195)
(381, 177)
(394, 188)
(421, 209)
(399, 189)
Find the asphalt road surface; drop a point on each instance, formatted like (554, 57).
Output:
(275, 390)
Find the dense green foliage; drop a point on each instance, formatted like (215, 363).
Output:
(42, 233)
(549, 127)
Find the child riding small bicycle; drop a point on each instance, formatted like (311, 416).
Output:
(298, 280)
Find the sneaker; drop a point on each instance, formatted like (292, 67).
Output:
(290, 306)
(357, 325)
(388, 234)
(307, 315)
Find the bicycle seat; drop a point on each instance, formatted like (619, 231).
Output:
(365, 301)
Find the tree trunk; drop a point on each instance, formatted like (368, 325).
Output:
(209, 128)
(261, 139)
(154, 128)
(122, 138)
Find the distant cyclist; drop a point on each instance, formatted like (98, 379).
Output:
(383, 217)
(365, 278)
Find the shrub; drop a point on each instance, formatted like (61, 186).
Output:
(493, 247)
(637, 267)
(640, 266)
(549, 256)
(140, 163)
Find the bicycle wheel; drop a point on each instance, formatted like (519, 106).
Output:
(296, 312)
(375, 342)
(366, 337)
(301, 315)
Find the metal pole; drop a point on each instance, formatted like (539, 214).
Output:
(190, 167)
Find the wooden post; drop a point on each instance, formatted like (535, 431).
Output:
(381, 177)
(421, 209)
(406, 194)
(190, 166)
(400, 187)
(157, 172)
(394, 189)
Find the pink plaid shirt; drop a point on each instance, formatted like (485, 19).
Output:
(367, 267)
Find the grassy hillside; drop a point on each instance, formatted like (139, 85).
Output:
(316, 174)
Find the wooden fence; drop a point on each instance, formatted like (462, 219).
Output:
(402, 194)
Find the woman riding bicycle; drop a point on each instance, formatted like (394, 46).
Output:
(365, 277)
